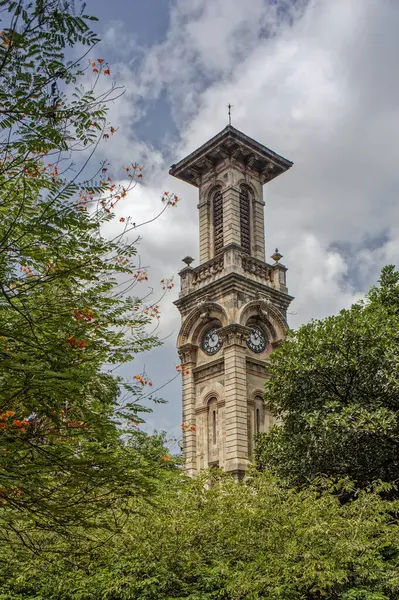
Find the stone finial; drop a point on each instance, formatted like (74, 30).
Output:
(188, 260)
(276, 256)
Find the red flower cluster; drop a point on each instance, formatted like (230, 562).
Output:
(170, 199)
(153, 311)
(97, 66)
(141, 275)
(188, 427)
(32, 171)
(167, 284)
(6, 415)
(135, 171)
(75, 342)
(142, 380)
(27, 270)
(182, 369)
(84, 314)
(20, 424)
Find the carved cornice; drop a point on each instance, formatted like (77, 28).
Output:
(221, 287)
(234, 334)
(188, 353)
(231, 142)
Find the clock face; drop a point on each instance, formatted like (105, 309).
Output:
(212, 341)
(256, 340)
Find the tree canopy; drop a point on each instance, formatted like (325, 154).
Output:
(256, 539)
(335, 385)
(69, 305)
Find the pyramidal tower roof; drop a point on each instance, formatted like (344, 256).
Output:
(230, 143)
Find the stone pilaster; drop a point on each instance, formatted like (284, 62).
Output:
(235, 390)
(204, 232)
(258, 230)
(188, 356)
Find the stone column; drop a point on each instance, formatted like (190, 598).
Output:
(204, 232)
(188, 357)
(258, 229)
(235, 390)
(279, 277)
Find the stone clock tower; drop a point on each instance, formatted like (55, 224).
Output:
(233, 305)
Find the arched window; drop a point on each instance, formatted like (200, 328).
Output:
(245, 219)
(213, 448)
(259, 421)
(217, 222)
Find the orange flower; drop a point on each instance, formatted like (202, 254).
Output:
(193, 428)
(10, 413)
(107, 71)
(122, 219)
(166, 458)
(95, 70)
(3, 425)
(93, 64)
(100, 60)
(17, 423)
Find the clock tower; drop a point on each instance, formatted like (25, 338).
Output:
(233, 305)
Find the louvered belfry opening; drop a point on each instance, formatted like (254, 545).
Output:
(245, 216)
(217, 222)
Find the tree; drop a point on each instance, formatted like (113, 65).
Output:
(70, 447)
(256, 539)
(335, 385)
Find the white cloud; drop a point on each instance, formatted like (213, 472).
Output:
(317, 83)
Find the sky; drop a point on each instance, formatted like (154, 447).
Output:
(317, 82)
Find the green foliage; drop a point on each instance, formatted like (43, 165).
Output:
(242, 541)
(69, 444)
(335, 385)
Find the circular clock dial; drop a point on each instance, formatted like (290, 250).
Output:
(256, 340)
(212, 341)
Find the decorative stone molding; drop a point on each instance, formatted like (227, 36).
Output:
(204, 311)
(207, 271)
(255, 267)
(267, 312)
(204, 306)
(188, 353)
(234, 334)
(212, 395)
